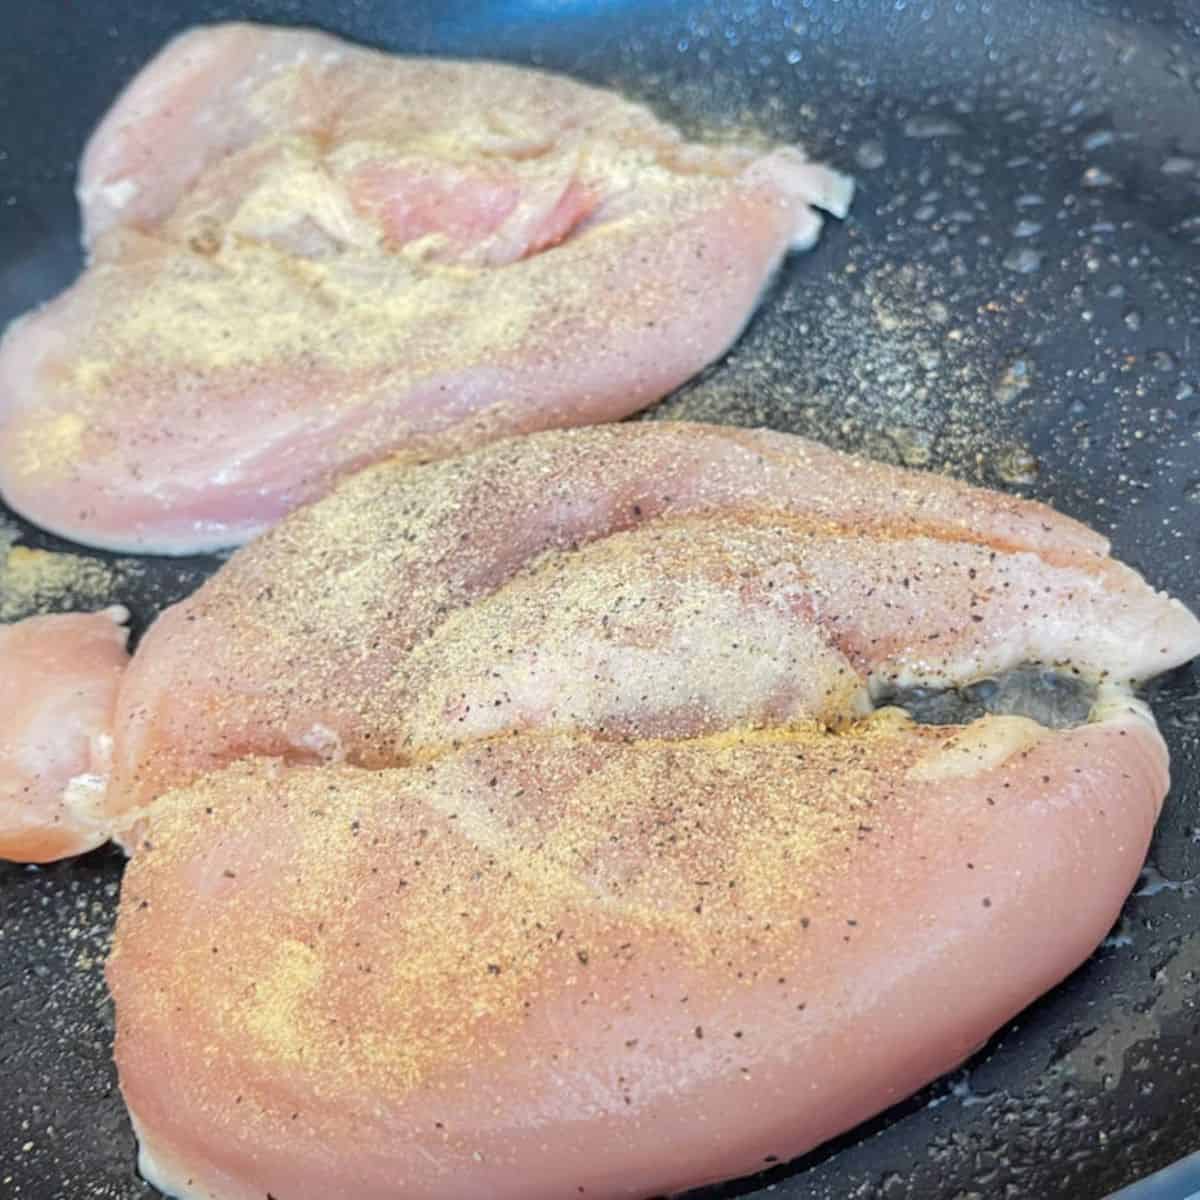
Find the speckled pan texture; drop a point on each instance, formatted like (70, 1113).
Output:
(1015, 300)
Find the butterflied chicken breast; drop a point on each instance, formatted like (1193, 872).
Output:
(58, 688)
(307, 256)
(532, 824)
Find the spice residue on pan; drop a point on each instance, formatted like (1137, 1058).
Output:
(888, 365)
(35, 581)
(56, 1041)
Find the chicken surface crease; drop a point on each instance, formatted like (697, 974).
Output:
(534, 823)
(305, 256)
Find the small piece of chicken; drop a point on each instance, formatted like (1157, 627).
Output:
(58, 689)
(308, 256)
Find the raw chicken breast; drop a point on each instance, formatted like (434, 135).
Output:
(569, 850)
(308, 256)
(58, 687)
(644, 580)
(551, 966)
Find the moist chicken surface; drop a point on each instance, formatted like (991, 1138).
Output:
(529, 829)
(651, 580)
(305, 256)
(58, 687)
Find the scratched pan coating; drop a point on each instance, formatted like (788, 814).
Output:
(1015, 299)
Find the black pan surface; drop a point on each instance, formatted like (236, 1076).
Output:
(1015, 299)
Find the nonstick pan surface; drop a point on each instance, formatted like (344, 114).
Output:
(1015, 299)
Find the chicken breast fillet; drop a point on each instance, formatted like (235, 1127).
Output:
(527, 825)
(306, 256)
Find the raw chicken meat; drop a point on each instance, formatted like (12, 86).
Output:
(651, 580)
(548, 966)
(58, 688)
(308, 256)
(569, 851)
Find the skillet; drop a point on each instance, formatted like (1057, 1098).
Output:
(1015, 299)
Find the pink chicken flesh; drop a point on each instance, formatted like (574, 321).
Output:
(525, 824)
(307, 256)
(58, 688)
(619, 580)
(549, 967)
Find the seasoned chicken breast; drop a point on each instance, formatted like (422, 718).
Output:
(533, 824)
(307, 256)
